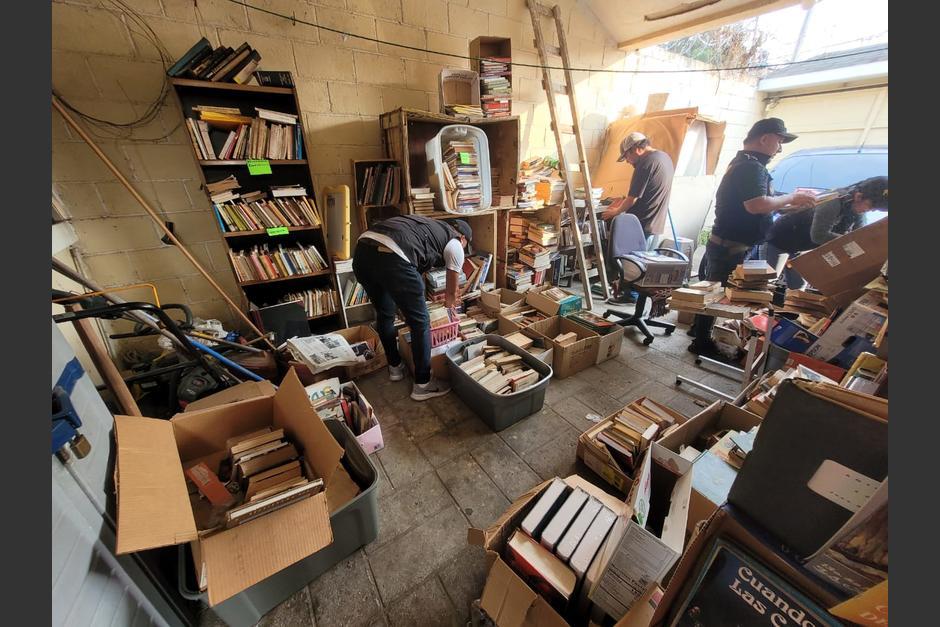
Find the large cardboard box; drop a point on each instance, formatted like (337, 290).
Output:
(506, 598)
(846, 263)
(153, 505)
(718, 416)
(643, 547)
(546, 305)
(438, 359)
(574, 357)
(364, 333)
(596, 456)
(494, 301)
(730, 525)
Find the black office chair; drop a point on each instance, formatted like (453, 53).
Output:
(652, 274)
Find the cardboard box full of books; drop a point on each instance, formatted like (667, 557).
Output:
(154, 505)
(494, 301)
(571, 357)
(554, 301)
(682, 448)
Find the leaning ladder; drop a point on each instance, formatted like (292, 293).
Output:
(537, 11)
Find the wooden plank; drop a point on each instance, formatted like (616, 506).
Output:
(558, 88)
(257, 89)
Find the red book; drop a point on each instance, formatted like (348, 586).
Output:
(545, 573)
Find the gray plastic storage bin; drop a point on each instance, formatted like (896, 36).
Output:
(498, 410)
(354, 525)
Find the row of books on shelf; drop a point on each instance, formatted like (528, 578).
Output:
(381, 185)
(218, 65)
(261, 262)
(495, 86)
(354, 294)
(316, 302)
(226, 133)
(253, 215)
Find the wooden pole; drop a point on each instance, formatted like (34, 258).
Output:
(153, 215)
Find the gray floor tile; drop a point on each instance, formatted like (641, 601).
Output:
(476, 494)
(345, 594)
(426, 605)
(402, 460)
(556, 458)
(419, 419)
(385, 486)
(463, 579)
(450, 409)
(207, 618)
(619, 377)
(507, 470)
(412, 557)
(454, 441)
(574, 412)
(655, 371)
(293, 611)
(600, 402)
(533, 431)
(407, 507)
(651, 389)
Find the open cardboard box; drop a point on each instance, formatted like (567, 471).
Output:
(153, 505)
(493, 302)
(642, 547)
(596, 456)
(438, 361)
(847, 263)
(506, 598)
(574, 357)
(546, 305)
(507, 326)
(355, 334)
(718, 416)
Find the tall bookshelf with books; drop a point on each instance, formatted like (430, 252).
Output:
(249, 145)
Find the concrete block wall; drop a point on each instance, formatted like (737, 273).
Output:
(106, 68)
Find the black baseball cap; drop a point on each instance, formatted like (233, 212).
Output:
(771, 125)
(462, 227)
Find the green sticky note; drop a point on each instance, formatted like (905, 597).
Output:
(465, 157)
(278, 230)
(259, 166)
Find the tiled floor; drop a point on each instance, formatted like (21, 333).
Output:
(443, 470)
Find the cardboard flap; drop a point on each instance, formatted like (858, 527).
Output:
(294, 413)
(152, 501)
(639, 497)
(244, 555)
(674, 526)
(491, 534)
(506, 598)
(864, 404)
(541, 614)
(240, 392)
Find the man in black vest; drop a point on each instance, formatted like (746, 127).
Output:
(389, 262)
(744, 203)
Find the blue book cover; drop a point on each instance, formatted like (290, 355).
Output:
(731, 587)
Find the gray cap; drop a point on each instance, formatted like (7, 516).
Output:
(629, 142)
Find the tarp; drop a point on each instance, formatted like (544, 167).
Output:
(666, 131)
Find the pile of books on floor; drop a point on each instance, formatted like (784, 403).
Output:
(226, 133)
(808, 301)
(749, 283)
(354, 294)
(519, 276)
(263, 472)
(696, 296)
(381, 185)
(762, 395)
(219, 65)
(422, 199)
(495, 86)
(497, 370)
(632, 430)
(317, 302)
(462, 176)
(263, 263)
(557, 541)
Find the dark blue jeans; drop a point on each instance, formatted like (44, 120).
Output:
(391, 281)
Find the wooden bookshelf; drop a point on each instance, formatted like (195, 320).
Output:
(190, 93)
(363, 210)
(484, 46)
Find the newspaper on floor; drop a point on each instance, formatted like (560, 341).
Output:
(322, 352)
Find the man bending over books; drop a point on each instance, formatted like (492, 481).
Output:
(389, 261)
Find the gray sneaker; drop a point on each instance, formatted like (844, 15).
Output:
(424, 391)
(396, 373)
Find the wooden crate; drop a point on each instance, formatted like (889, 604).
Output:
(549, 213)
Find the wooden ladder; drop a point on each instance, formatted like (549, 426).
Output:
(538, 11)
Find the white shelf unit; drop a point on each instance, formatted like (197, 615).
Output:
(352, 314)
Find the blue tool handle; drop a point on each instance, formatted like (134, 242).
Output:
(228, 362)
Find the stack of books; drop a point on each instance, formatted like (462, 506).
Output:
(226, 133)
(550, 190)
(525, 317)
(535, 256)
(496, 369)
(462, 176)
(381, 185)
(542, 233)
(316, 302)
(518, 231)
(748, 283)
(476, 268)
(519, 276)
(219, 65)
(526, 182)
(469, 110)
(354, 294)
(696, 297)
(632, 430)
(422, 199)
(579, 197)
(809, 302)
(254, 212)
(592, 321)
(495, 86)
(259, 263)
(435, 282)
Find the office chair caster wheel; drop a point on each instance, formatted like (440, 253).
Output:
(648, 341)
(668, 332)
(678, 381)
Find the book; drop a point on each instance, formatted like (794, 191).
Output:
(269, 78)
(268, 460)
(250, 443)
(209, 485)
(560, 522)
(252, 510)
(578, 528)
(543, 510)
(243, 73)
(269, 478)
(200, 50)
(234, 61)
(594, 537)
(544, 572)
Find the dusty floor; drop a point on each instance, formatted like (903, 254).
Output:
(443, 470)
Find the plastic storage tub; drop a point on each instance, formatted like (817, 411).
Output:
(434, 149)
(498, 410)
(354, 525)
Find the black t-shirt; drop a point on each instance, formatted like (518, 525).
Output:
(793, 233)
(650, 185)
(747, 178)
